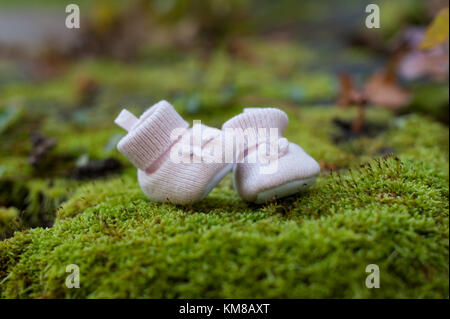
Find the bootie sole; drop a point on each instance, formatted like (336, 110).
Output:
(284, 190)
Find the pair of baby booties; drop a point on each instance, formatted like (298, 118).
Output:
(181, 165)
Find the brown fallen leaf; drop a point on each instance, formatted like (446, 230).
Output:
(383, 91)
(349, 95)
(325, 166)
(346, 89)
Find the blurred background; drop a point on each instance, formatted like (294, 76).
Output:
(60, 89)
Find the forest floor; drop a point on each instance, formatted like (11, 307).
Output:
(68, 197)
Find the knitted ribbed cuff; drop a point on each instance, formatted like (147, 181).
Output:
(259, 118)
(150, 135)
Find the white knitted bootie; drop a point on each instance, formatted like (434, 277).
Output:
(292, 169)
(168, 154)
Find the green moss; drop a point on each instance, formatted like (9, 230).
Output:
(8, 221)
(431, 100)
(36, 199)
(390, 212)
(9, 117)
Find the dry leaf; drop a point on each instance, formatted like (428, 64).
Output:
(381, 90)
(349, 95)
(437, 33)
(346, 88)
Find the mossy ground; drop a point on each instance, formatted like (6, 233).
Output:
(374, 208)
